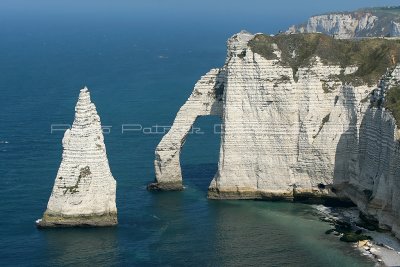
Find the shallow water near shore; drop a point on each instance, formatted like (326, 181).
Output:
(138, 77)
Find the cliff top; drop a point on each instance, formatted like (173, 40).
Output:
(389, 10)
(378, 11)
(371, 56)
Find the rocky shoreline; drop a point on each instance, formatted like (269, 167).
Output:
(319, 196)
(379, 245)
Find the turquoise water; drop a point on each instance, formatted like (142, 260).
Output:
(137, 75)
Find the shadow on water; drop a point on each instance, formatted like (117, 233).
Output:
(80, 246)
(278, 234)
(201, 232)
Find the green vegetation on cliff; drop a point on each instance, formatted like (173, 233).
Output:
(392, 102)
(392, 11)
(386, 11)
(371, 56)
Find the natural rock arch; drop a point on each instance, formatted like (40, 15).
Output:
(206, 99)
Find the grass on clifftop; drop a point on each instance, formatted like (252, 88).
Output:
(377, 11)
(392, 102)
(372, 56)
(383, 11)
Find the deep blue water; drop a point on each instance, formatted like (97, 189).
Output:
(139, 71)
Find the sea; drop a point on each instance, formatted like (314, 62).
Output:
(140, 66)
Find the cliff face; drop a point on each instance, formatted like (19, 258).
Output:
(84, 189)
(360, 23)
(298, 123)
(372, 177)
(283, 119)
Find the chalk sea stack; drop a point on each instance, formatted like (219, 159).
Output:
(84, 189)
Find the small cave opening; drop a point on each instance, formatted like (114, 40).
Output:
(321, 186)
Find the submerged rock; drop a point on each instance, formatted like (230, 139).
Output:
(84, 189)
(354, 237)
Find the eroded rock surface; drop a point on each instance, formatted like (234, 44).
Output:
(84, 189)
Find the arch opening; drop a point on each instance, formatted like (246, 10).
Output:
(200, 153)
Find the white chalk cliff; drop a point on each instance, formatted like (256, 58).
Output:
(360, 23)
(292, 132)
(84, 189)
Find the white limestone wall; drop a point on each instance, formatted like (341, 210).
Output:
(348, 25)
(84, 185)
(275, 142)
